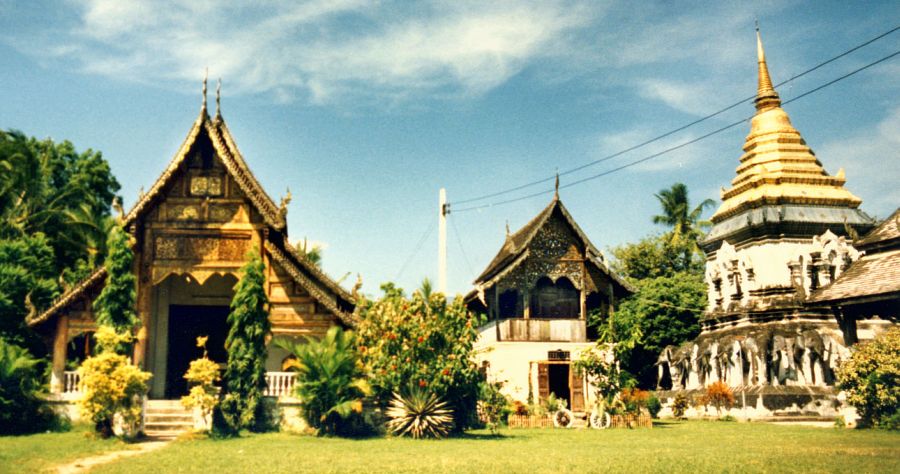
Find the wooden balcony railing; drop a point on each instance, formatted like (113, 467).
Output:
(543, 330)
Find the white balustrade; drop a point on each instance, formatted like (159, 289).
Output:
(71, 382)
(279, 383)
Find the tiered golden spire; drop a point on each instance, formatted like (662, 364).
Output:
(777, 166)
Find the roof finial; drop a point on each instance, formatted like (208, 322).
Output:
(556, 188)
(766, 97)
(507, 227)
(205, 76)
(218, 98)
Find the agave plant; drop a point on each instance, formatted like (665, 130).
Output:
(419, 414)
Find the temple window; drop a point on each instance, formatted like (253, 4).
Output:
(509, 304)
(555, 300)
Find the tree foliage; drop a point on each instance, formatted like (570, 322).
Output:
(422, 340)
(677, 213)
(54, 214)
(667, 311)
(871, 378)
(657, 256)
(22, 410)
(243, 406)
(27, 277)
(115, 307)
(330, 382)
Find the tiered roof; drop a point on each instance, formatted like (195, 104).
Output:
(777, 166)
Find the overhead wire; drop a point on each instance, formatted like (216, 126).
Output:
(664, 135)
(680, 145)
(416, 250)
(461, 248)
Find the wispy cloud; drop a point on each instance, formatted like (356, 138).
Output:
(857, 152)
(323, 51)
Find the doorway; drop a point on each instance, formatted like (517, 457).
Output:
(186, 324)
(558, 382)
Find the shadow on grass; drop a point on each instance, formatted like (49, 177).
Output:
(480, 436)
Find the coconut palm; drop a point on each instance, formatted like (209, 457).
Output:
(677, 213)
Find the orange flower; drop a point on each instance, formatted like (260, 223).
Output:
(422, 383)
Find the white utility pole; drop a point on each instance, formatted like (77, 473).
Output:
(443, 210)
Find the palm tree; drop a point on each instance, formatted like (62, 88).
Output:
(675, 205)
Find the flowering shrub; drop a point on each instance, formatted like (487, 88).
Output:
(634, 399)
(112, 386)
(422, 340)
(492, 405)
(719, 395)
(871, 378)
(202, 374)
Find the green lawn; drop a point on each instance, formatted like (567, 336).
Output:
(36, 453)
(668, 447)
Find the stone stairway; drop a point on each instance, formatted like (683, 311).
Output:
(167, 419)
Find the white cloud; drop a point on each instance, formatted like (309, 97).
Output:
(322, 50)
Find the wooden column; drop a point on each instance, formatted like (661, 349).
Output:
(495, 302)
(60, 343)
(526, 304)
(583, 294)
(144, 302)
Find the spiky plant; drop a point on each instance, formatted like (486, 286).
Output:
(419, 414)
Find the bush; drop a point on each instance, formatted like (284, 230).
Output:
(329, 382)
(871, 378)
(112, 386)
(680, 405)
(634, 399)
(654, 406)
(203, 375)
(719, 395)
(21, 408)
(423, 340)
(493, 405)
(419, 414)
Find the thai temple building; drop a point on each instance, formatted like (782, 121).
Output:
(782, 236)
(191, 234)
(537, 293)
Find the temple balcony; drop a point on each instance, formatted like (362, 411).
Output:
(543, 329)
(279, 384)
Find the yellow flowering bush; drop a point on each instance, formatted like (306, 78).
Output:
(871, 378)
(203, 374)
(112, 386)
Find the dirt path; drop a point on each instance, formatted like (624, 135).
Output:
(85, 464)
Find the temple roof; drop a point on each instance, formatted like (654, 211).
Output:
(514, 249)
(777, 166)
(875, 275)
(224, 145)
(325, 290)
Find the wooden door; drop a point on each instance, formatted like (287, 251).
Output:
(576, 389)
(543, 381)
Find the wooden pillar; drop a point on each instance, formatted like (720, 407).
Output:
(60, 343)
(526, 304)
(583, 293)
(144, 302)
(495, 303)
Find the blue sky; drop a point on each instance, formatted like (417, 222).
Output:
(364, 109)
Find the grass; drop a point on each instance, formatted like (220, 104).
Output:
(669, 447)
(40, 452)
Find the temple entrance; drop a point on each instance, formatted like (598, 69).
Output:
(186, 323)
(558, 382)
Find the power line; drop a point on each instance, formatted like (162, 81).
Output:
(461, 248)
(676, 147)
(416, 250)
(671, 132)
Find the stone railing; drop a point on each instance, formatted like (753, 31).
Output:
(279, 384)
